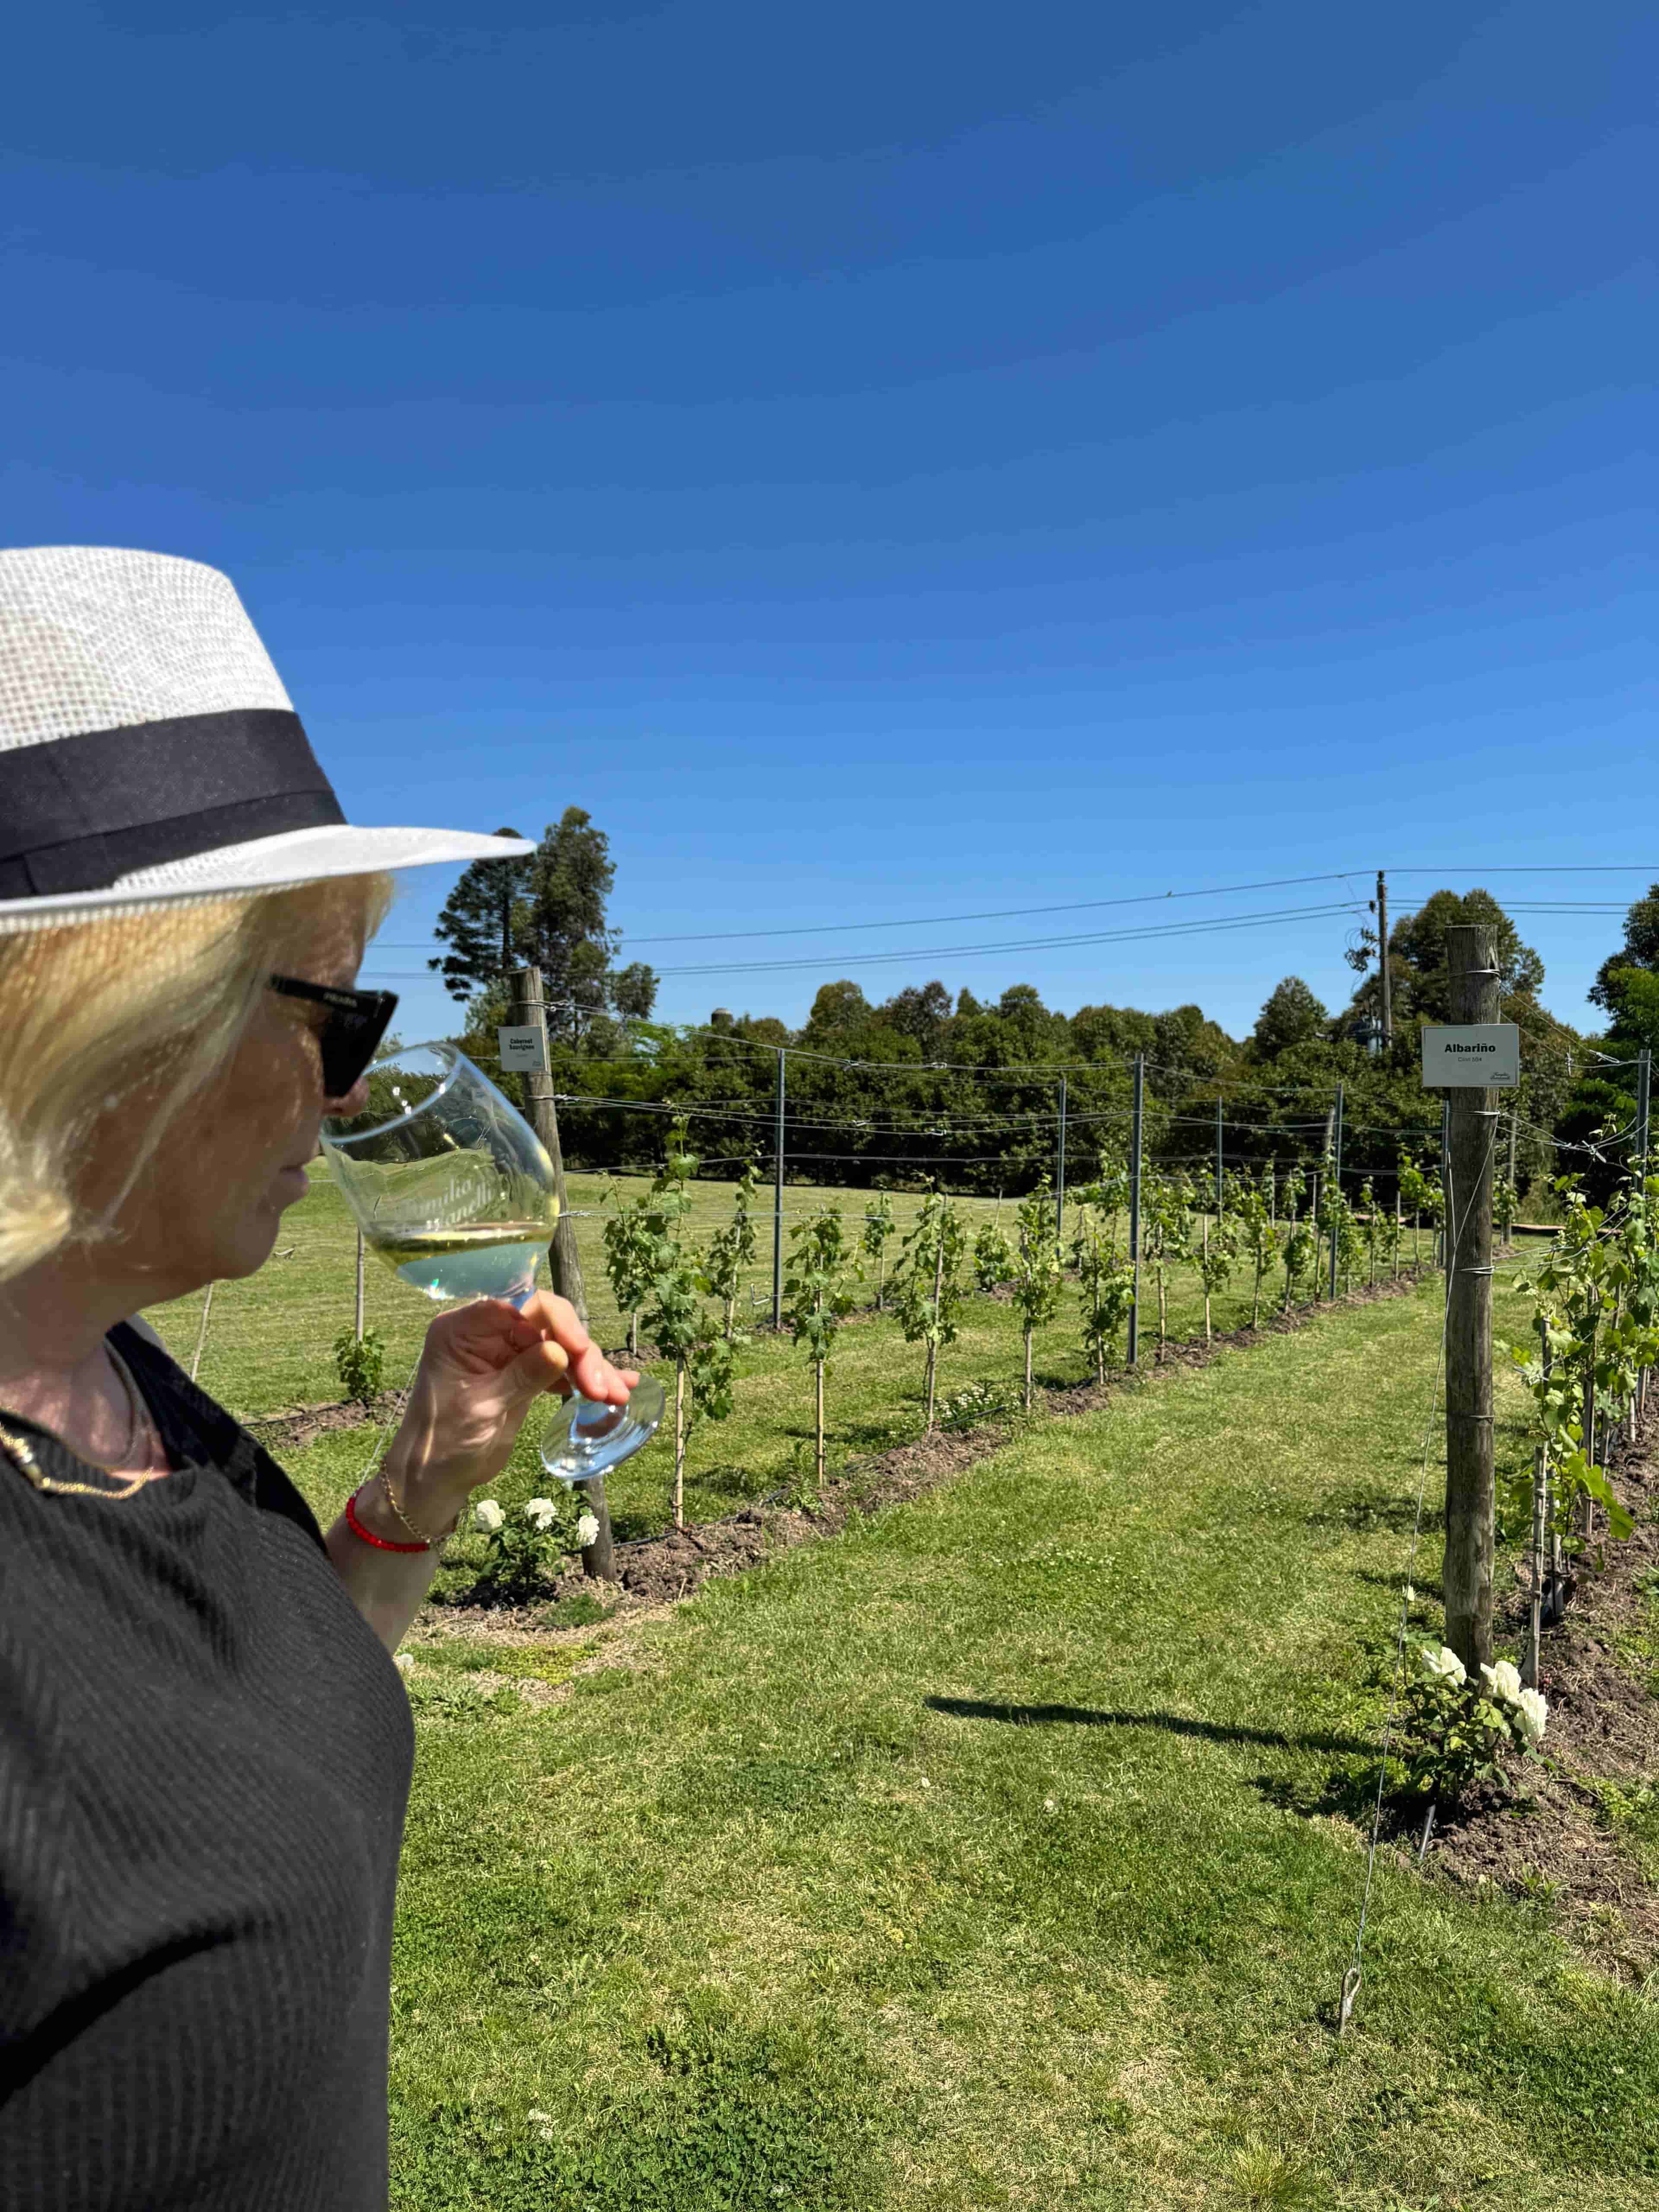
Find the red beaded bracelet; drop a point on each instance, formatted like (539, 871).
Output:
(380, 1543)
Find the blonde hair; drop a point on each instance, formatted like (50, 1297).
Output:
(132, 1013)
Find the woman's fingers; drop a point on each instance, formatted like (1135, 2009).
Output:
(592, 1373)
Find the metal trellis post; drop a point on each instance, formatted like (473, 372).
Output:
(1134, 1207)
(1059, 1178)
(777, 1210)
(1220, 1187)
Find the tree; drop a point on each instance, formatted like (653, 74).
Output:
(1217, 1249)
(676, 1315)
(994, 1256)
(629, 1256)
(1418, 1196)
(922, 1014)
(1291, 1016)
(878, 1228)
(485, 922)
(546, 910)
(1166, 1230)
(732, 1250)
(1639, 949)
(817, 1300)
(930, 1287)
(1037, 1280)
(1254, 1214)
(1107, 1282)
(1420, 941)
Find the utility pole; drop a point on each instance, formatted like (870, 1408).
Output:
(1471, 1142)
(529, 1011)
(1382, 958)
(1135, 1206)
(777, 1208)
(1059, 1176)
(1336, 1180)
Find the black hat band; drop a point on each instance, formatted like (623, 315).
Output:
(76, 813)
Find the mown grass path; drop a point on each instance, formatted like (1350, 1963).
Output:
(977, 1857)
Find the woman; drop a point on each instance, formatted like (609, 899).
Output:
(206, 1745)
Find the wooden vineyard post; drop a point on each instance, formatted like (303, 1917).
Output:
(358, 1322)
(1471, 1124)
(777, 1198)
(932, 1341)
(1382, 959)
(1399, 1225)
(1135, 1208)
(1445, 1182)
(529, 1011)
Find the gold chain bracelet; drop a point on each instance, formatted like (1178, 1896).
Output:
(420, 1534)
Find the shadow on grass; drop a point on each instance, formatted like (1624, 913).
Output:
(974, 1709)
(1358, 1507)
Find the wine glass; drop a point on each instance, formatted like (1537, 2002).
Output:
(454, 1191)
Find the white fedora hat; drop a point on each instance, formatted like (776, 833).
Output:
(149, 752)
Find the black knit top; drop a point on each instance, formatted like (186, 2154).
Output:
(204, 1762)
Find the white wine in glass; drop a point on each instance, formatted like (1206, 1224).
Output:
(454, 1191)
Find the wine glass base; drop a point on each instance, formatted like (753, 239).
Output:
(588, 1437)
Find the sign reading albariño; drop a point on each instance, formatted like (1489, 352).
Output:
(1480, 1055)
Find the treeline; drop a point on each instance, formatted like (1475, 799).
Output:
(927, 1086)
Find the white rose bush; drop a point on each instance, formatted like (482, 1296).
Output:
(514, 1554)
(1459, 1730)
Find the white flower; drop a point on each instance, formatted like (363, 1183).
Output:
(1503, 1680)
(926, 1784)
(541, 1513)
(405, 1661)
(587, 1530)
(1048, 1804)
(1445, 1664)
(1531, 1712)
(488, 1515)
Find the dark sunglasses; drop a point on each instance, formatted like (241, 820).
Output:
(356, 1022)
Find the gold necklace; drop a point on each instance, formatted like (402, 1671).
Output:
(21, 1452)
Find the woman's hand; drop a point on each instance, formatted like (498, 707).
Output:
(482, 1368)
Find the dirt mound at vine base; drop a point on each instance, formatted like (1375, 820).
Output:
(1552, 1840)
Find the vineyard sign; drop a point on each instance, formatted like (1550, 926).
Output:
(1480, 1055)
(523, 1048)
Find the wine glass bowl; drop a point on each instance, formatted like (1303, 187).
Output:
(454, 1191)
(450, 1185)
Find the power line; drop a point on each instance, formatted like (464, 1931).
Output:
(1210, 926)
(1083, 906)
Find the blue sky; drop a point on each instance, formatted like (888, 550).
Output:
(889, 463)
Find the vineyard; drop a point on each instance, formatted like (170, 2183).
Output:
(1085, 1735)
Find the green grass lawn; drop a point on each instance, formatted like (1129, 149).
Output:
(982, 1856)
